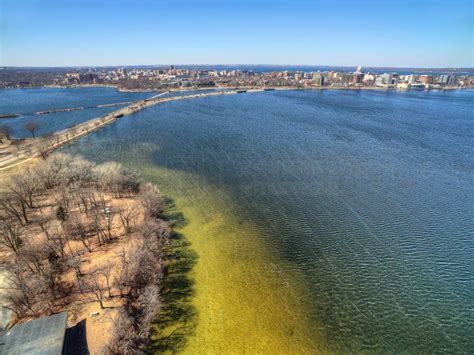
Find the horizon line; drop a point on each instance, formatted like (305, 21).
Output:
(235, 64)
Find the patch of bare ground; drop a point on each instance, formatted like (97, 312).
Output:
(89, 239)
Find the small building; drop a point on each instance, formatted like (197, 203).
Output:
(43, 336)
(426, 79)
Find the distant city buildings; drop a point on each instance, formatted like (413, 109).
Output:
(173, 77)
(73, 78)
(426, 79)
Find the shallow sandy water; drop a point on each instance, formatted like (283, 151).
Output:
(245, 301)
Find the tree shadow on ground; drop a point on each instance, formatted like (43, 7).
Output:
(177, 318)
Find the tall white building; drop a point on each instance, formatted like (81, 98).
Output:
(386, 79)
(411, 79)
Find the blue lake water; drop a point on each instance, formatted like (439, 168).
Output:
(368, 195)
(27, 101)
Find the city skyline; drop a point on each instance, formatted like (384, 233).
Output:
(421, 34)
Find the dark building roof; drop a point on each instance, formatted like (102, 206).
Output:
(43, 336)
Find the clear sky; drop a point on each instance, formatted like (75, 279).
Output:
(418, 33)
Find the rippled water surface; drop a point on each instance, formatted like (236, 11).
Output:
(27, 101)
(362, 201)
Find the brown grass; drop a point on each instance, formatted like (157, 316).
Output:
(81, 306)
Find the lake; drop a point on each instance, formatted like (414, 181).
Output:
(25, 102)
(338, 221)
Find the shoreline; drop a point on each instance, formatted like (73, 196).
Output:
(218, 88)
(40, 146)
(222, 274)
(207, 271)
(45, 145)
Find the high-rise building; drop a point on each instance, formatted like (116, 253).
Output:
(369, 79)
(452, 80)
(121, 71)
(411, 79)
(298, 76)
(447, 79)
(357, 78)
(387, 79)
(318, 79)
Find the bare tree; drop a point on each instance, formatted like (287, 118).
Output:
(116, 179)
(80, 172)
(128, 215)
(152, 201)
(124, 336)
(123, 276)
(33, 257)
(10, 234)
(22, 298)
(24, 186)
(106, 272)
(31, 127)
(131, 331)
(77, 190)
(83, 198)
(97, 228)
(78, 229)
(52, 172)
(108, 217)
(13, 208)
(6, 131)
(45, 224)
(52, 277)
(98, 200)
(96, 285)
(63, 197)
(57, 244)
(75, 263)
(16, 205)
(45, 147)
(149, 303)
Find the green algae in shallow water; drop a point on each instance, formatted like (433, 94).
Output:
(235, 299)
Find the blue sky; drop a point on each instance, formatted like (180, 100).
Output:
(419, 33)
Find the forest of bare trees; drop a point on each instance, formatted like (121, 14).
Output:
(66, 210)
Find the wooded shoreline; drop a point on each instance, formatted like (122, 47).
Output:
(88, 239)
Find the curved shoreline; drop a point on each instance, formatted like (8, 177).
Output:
(242, 268)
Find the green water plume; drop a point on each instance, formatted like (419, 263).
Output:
(226, 292)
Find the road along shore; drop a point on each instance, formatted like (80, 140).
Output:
(15, 154)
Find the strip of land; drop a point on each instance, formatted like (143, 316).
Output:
(67, 109)
(20, 151)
